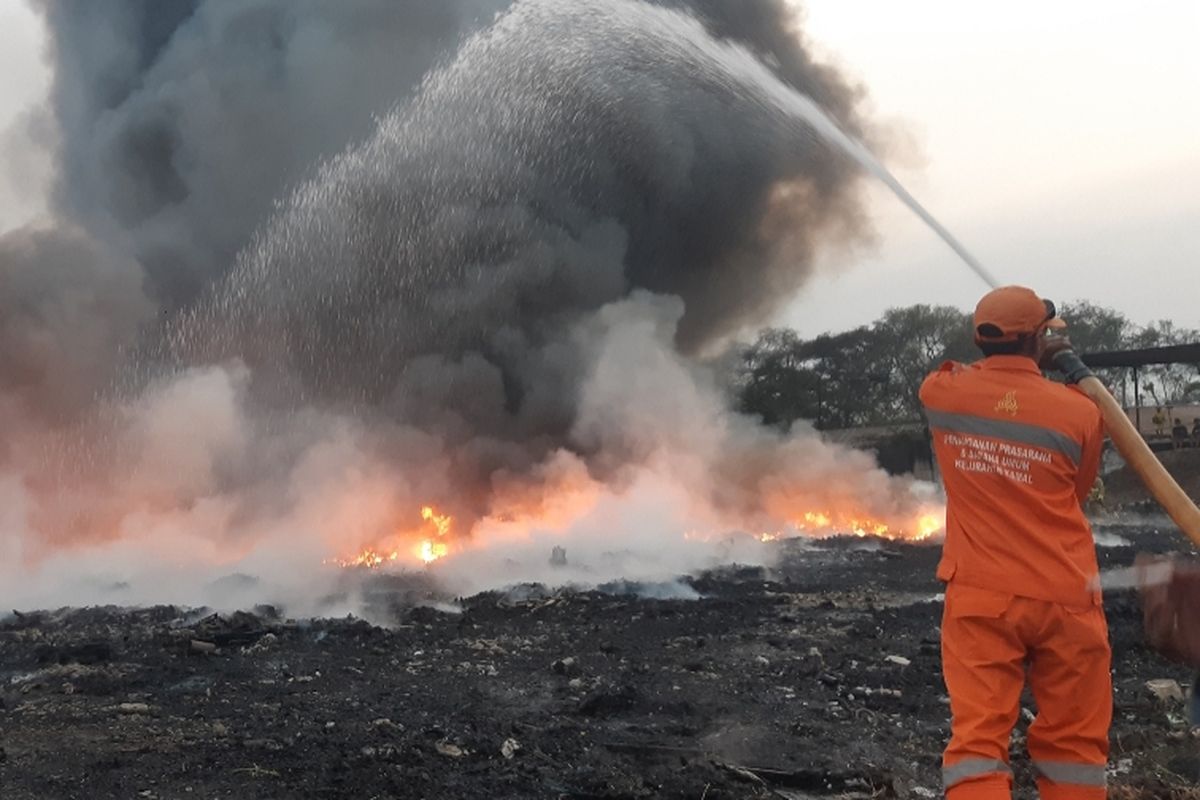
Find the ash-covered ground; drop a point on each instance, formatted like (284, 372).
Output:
(817, 679)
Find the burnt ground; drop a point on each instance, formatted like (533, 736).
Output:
(1125, 488)
(782, 683)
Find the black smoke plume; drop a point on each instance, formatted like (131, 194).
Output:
(503, 191)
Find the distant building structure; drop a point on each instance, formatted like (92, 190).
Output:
(1163, 435)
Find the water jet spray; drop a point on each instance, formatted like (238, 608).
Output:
(832, 132)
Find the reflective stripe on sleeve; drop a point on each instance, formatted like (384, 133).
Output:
(1077, 774)
(1034, 435)
(973, 768)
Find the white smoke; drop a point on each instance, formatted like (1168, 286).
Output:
(677, 497)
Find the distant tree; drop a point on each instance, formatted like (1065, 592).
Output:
(851, 383)
(1163, 333)
(1179, 383)
(833, 381)
(912, 343)
(1095, 329)
(774, 382)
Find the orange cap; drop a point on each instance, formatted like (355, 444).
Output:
(1010, 312)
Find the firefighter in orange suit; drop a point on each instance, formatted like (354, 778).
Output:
(1018, 454)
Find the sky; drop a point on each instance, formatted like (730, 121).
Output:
(1059, 141)
(23, 170)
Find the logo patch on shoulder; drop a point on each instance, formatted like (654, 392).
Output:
(1008, 404)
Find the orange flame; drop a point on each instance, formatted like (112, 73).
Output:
(568, 494)
(924, 526)
(427, 548)
(430, 550)
(369, 558)
(440, 521)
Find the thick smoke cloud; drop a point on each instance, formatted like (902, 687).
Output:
(183, 120)
(489, 297)
(66, 307)
(176, 126)
(573, 152)
(570, 154)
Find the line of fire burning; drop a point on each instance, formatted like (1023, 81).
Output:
(433, 541)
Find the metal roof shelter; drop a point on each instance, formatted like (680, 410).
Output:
(1135, 359)
(1174, 354)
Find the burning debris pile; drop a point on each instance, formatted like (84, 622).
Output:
(504, 301)
(430, 545)
(819, 678)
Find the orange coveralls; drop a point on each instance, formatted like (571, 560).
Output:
(1018, 454)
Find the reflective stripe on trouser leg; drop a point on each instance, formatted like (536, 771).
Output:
(1059, 780)
(973, 768)
(1074, 774)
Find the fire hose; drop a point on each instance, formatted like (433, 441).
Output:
(1132, 447)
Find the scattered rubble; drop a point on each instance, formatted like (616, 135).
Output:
(509, 748)
(817, 680)
(451, 750)
(1166, 690)
(565, 666)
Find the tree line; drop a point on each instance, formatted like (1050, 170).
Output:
(871, 375)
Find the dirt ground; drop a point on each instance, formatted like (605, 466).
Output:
(1123, 488)
(765, 684)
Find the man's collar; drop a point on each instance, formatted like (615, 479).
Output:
(1010, 364)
